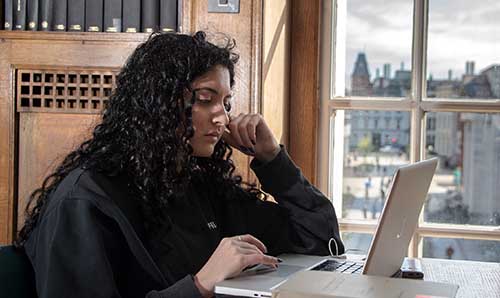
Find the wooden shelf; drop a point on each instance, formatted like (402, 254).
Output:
(74, 36)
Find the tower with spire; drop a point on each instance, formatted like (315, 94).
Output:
(360, 78)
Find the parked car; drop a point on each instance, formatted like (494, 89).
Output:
(391, 149)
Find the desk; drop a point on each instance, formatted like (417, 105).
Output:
(475, 279)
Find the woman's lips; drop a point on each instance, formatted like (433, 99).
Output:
(214, 136)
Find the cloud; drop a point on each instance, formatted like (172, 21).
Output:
(381, 29)
(459, 31)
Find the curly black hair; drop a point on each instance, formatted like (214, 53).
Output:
(146, 126)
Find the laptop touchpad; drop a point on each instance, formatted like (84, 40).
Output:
(285, 270)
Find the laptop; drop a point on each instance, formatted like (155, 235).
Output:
(395, 228)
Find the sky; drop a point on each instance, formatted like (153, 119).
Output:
(459, 31)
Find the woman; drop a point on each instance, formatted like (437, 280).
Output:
(149, 206)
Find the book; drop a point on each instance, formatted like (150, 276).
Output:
(19, 15)
(2, 15)
(94, 15)
(150, 15)
(45, 15)
(7, 14)
(131, 16)
(113, 15)
(168, 15)
(32, 15)
(59, 15)
(76, 15)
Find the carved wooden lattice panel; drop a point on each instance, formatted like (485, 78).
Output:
(57, 110)
(82, 91)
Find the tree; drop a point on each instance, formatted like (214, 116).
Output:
(365, 146)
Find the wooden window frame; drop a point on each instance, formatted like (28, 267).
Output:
(311, 130)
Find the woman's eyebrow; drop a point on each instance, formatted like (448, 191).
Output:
(212, 91)
(207, 89)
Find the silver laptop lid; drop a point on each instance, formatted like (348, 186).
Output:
(399, 218)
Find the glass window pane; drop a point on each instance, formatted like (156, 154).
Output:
(466, 186)
(378, 48)
(461, 249)
(376, 143)
(357, 243)
(463, 58)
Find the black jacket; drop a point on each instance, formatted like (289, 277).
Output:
(90, 241)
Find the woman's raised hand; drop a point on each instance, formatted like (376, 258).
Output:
(229, 259)
(250, 134)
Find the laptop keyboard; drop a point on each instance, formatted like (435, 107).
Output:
(342, 266)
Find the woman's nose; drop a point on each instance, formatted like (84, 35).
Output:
(220, 115)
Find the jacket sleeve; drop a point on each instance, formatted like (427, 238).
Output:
(304, 220)
(78, 254)
(184, 288)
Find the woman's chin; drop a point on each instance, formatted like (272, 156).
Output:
(204, 152)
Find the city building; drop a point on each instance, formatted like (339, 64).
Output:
(467, 143)
(380, 127)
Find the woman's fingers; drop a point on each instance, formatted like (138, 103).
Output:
(228, 137)
(252, 128)
(250, 134)
(239, 135)
(252, 259)
(252, 240)
(243, 131)
(248, 251)
(231, 256)
(246, 245)
(234, 130)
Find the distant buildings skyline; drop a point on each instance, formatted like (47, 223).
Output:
(467, 143)
(484, 85)
(383, 29)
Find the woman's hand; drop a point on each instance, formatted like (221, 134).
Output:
(229, 259)
(250, 134)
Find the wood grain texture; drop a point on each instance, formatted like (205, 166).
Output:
(44, 141)
(29, 50)
(304, 84)
(275, 67)
(6, 145)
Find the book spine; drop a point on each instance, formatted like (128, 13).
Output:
(113, 15)
(60, 12)
(131, 15)
(20, 15)
(150, 15)
(93, 15)
(7, 13)
(76, 15)
(2, 15)
(45, 15)
(168, 15)
(32, 15)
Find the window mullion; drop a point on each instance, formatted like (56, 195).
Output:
(419, 45)
(327, 76)
(418, 75)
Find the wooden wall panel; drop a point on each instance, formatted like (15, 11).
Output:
(6, 145)
(32, 50)
(275, 66)
(304, 85)
(44, 140)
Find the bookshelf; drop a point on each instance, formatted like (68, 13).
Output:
(91, 15)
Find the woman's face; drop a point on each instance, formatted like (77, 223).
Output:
(210, 111)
